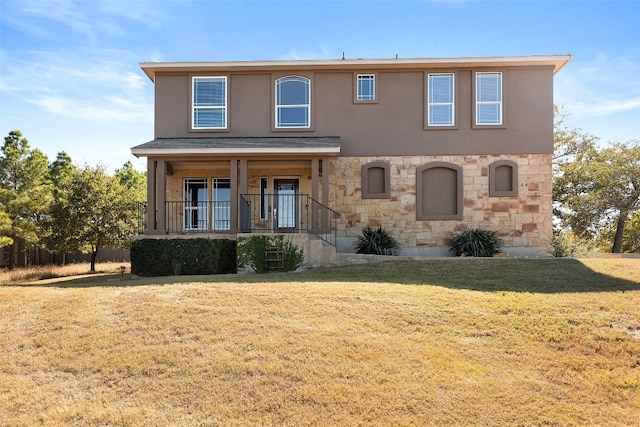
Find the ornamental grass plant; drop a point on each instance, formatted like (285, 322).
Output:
(475, 242)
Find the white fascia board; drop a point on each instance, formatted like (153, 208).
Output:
(280, 150)
(557, 61)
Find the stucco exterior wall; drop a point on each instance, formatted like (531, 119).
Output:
(521, 221)
(392, 126)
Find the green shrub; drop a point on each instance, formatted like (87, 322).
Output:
(478, 242)
(567, 244)
(173, 257)
(376, 242)
(251, 252)
(560, 245)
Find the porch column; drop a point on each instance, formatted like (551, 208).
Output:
(315, 178)
(244, 177)
(325, 193)
(315, 181)
(325, 182)
(161, 197)
(235, 199)
(243, 189)
(151, 196)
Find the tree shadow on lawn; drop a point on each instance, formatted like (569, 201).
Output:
(555, 275)
(545, 275)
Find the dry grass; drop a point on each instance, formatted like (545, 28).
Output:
(33, 274)
(340, 347)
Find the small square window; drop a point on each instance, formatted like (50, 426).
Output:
(365, 87)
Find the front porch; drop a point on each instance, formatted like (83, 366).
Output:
(228, 185)
(284, 212)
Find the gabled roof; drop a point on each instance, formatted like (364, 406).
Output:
(326, 145)
(555, 61)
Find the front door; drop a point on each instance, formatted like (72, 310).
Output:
(285, 205)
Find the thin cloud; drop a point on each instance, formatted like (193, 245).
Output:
(144, 12)
(112, 109)
(64, 12)
(600, 87)
(82, 17)
(606, 107)
(72, 86)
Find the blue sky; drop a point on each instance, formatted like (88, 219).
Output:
(70, 78)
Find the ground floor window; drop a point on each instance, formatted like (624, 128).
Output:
(204, 210)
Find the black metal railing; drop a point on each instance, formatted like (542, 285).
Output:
(287, 213)
(268, 213)
(194, 217)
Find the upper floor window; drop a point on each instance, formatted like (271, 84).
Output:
(440, 99)
(293, 102)
(365, 87)
(489, 98)
(209, 103)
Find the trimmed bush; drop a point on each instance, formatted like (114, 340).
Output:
(251, 252)
(478, 242)
(376, 242)
(175, 257)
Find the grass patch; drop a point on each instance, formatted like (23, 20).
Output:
(34, 274)
(461, 342)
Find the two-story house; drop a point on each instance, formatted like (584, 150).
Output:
(421, 147)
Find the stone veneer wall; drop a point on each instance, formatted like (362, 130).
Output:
(522, 221)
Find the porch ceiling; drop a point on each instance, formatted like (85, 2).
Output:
(325, 145)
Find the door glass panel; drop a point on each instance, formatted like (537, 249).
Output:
(196, 204)
(221, 203)
(286, 205)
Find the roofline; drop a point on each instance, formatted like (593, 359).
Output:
(557, 61)
(145, 152)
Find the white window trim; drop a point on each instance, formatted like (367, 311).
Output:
(373, 91)
(499, 103)
(217, 107)
(307, 106)
(452, 103)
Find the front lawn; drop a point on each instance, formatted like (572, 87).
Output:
(455, 342)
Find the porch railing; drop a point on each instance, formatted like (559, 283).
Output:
(268, 213)
(287, 213)
(194, 217)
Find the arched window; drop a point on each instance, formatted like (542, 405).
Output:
(503, 179)
(376, 180)
(438, 191)
(293, 102)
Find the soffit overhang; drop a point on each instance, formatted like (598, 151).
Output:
(557, 62)
(240, 146)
